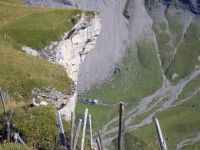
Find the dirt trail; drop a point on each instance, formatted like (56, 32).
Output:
(144, 106)
(187, 142)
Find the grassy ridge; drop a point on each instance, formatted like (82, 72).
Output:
(37, 30)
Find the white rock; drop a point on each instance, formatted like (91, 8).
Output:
(43, 103)
(30, 51)
(35, 103)
(174, 76)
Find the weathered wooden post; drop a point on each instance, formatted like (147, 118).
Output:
(121, 126)
(8, 126)
(77, 134)
(98, 144)
(163, 145)
(84, 128)
(100, 140)
(72, 130)
(3, 101)
(8, 131)
(20, 140)
(61, 131)
(54, 142)
(90, 123)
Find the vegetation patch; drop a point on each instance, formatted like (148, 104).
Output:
(131, 142)
(101, 114)
(176, 123)
(20, 73)
(12, 146)
(187, 55)
(37, 30)
(37, 126)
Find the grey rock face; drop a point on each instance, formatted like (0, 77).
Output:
(50, 3)
(191, 5)
(101, 61)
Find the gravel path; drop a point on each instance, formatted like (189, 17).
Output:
(187, 142)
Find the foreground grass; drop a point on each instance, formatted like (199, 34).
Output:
(176, 123)
(12, 146)
(37, 126)
(131, 142)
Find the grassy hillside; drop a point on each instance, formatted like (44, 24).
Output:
(20, 73)
(35, 27)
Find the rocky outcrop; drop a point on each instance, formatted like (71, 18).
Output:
(74, 46)
(70, 53)
(50, 96)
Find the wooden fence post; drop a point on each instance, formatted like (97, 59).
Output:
(100, 140)
(72, 130)
(90, 123)
(98, 144)
(20, 140)
(77, 134)
(3, 101)
(163, 145)
(121, 126)
(61, 131)
(54, 142)
(84, 128)
(8, 126)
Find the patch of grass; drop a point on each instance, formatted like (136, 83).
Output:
(100, 114)
(174, 25)
(131, 142)
(12, 1)
(190, 87)
(39, 29)
(20, 73)
(176, 123)
(11, 146)
(187, 55)
(163, 26)
(37, 126)
(195, 146)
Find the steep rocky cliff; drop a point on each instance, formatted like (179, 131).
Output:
(71, 51)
